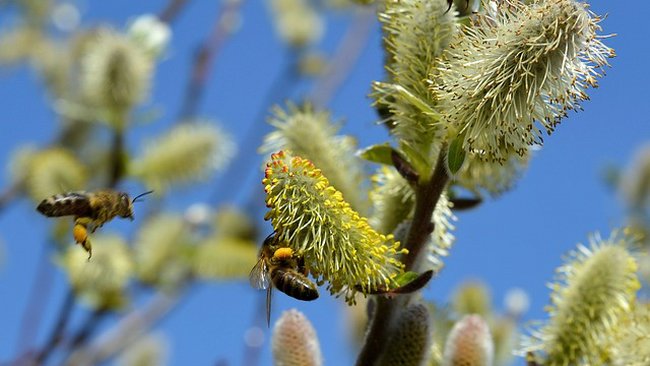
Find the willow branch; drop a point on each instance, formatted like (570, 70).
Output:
(426, 198)
(117, 164)
(346, 56)
(9, 194)
(205, 56)
(56, 335)
(427, 194)
(39, 292)
(171, 10)
(128, 329)
(240, 167)
(87, 329)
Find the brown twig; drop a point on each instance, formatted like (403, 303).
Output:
(345, 57)
(204, 57)
(171, 11)
(427, 194)
(240, 167)
(38, 294)
(128, 329)
(117, 164)
(59, 328)
(10, 193)
(88, 327)
(426, 198)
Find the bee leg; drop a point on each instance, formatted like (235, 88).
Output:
(80, 234)
(95, 227)
(301, 265)
(268, 305)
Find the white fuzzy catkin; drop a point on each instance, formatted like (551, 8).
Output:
(294, 341)
(513, 75)
(469, 343)
(416, 34)
(115, 73)
(312, 134)
(593, 292)
(186, 153)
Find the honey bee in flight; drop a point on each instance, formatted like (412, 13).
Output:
(281, 268)
(91, 210)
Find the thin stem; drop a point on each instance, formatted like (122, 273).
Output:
(239, 169)
(427, 194)
(205, 56)
(426, 198)
(171, 11)
(59, 328)
(86, 330)
(11, 192)
(118, 167)
(345, 57)
(38, 294)
(129, 328)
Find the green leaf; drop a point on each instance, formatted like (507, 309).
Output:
(420, 104)
(455, 155)
(416, 159)
(406, 277)
(380, 153)
(408, 282)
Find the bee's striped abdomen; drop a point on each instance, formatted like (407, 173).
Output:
(294, 284)
(66, 204)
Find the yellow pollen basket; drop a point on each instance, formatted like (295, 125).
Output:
(80, 233)
(283, 253)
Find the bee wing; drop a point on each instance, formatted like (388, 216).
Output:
(71, 203)
(260, 277)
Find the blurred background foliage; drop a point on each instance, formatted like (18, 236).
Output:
(98, 84)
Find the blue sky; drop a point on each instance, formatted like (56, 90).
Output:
(516, 240)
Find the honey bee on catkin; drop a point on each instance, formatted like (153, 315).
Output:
(91, 210)
(280, 267)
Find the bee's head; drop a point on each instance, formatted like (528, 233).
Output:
(126, 204)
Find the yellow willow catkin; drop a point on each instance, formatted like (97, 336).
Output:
(312, 134)
(337, 244)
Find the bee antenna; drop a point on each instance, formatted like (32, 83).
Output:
(140, 195)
